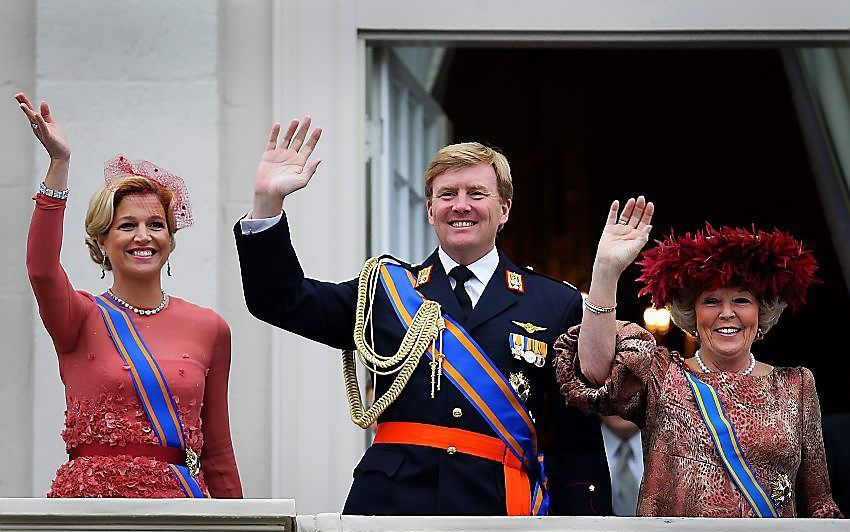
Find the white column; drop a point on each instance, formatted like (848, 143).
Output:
(318, 69)
(246, 67)
(139, 78)
(17, 184)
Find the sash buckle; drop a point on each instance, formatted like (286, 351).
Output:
(193, 463)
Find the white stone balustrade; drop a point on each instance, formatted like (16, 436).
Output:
(147, 514)
(280, 515)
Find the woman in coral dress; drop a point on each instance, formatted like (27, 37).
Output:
(145, 373)
(724, 435)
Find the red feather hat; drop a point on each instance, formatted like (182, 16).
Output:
(772, 265)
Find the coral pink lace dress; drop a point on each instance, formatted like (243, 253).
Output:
(192, 347)
(776, 417)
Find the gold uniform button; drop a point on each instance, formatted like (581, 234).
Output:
(457, 412)
(452, 449)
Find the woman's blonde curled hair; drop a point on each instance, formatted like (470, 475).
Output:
(105, 201)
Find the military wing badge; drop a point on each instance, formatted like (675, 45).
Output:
(423, 276)
(530, 328)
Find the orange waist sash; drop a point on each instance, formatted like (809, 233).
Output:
(517, 487)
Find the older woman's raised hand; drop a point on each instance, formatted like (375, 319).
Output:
(624, 235)
(45, 128)
(284, 167)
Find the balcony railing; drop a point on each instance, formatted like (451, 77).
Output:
(279, 514)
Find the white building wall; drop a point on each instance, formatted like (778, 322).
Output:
(246, 101)
(17, 72)
(318, 69)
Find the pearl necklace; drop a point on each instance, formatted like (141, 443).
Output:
(744, 373)
(137, 310)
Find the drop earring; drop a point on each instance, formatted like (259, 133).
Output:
(168, 267)
(103, 264)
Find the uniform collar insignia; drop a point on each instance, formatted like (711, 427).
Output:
(530, 328)
(514, 282)
(424, 276)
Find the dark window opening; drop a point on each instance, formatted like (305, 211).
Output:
(708, 135)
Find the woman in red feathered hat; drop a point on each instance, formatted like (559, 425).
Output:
(724, 435)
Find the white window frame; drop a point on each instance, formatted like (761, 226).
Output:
(408, 127)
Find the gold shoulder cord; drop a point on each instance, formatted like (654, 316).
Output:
(426, 326)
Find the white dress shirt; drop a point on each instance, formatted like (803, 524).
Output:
(249, 225)
(612, 443)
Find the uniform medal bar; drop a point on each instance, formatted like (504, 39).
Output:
(528, 349)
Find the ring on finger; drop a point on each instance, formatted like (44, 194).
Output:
(622, 222)
(34, 125)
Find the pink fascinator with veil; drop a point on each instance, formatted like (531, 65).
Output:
(119, 166)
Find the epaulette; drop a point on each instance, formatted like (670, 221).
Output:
(396, 260)
(555, 279)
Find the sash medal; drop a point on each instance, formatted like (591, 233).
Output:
(467, 366)
(728, 447)
(153, 392)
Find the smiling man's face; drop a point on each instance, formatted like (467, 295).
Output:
(466, 211)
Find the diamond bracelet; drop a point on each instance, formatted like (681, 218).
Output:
(596, 309)
(52, 193)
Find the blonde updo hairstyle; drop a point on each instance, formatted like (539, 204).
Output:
(105, 201)
(683, 312)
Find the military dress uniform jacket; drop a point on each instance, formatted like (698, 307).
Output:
(395, 479)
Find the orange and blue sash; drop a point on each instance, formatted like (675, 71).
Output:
(151, 386)
(728, 447)
(479, 379)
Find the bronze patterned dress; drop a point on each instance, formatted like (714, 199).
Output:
(776, 417)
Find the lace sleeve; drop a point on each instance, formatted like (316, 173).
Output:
(636, 363)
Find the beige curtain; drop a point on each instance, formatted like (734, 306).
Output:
(820, 83)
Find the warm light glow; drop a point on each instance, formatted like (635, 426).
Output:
(657, 320)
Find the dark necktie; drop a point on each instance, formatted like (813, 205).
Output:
(461, 274)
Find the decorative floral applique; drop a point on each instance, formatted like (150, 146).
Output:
(116, 476)
(114, 419)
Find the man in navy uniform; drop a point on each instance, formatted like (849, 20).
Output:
(462, 435)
